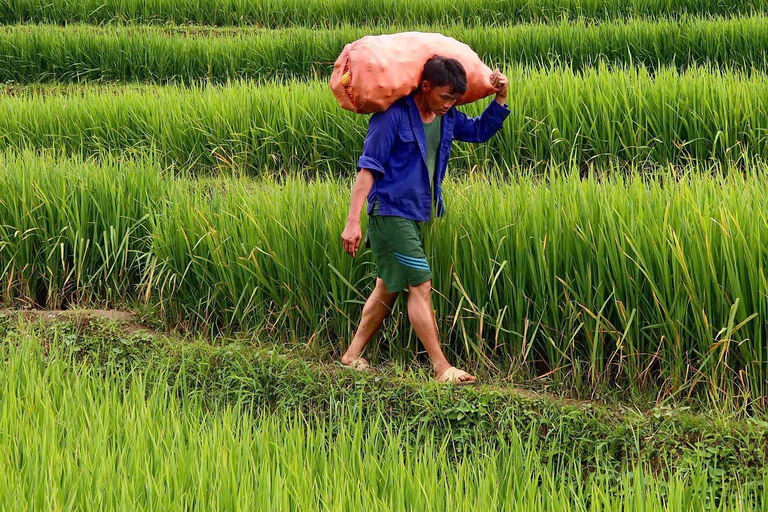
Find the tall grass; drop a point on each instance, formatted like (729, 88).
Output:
(41, 53)
(557, 115)
(274, 377)
(76, 440)
(325, 13)
(619, 282)
(85, 227)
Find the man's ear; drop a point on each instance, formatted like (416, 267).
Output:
(426, 86)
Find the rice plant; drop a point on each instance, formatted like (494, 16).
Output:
(82, 230)
(79, 53)
(324, 13)
(75, 439)
(596, 117)
(619, 281)
(623, 282)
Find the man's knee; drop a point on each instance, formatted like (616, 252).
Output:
(382, 288)
(422, 289)
(383, 294)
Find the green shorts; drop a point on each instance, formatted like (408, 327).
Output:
(397, 244)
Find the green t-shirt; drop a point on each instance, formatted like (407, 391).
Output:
(432, 133)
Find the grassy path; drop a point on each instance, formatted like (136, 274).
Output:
(589, 440)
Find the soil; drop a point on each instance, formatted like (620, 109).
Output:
(128, 319)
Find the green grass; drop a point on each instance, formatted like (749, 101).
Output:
(79, 436)
(42, 53)
(618, 283)
(557, 115)
(324, 13)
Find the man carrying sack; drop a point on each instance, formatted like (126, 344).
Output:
(400, 173)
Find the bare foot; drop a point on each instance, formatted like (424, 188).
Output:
(455, 376)
(356, 363)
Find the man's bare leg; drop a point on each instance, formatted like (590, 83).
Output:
(375, 310)
(422, 319)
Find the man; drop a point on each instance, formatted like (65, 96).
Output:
(400, 172)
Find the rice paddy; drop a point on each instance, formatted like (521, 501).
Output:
(597, 117)
(190, 54)
(82, 440)
(324, 14)
(601, 266)
(597, 279)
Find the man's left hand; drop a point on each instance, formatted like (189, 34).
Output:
(500, 82)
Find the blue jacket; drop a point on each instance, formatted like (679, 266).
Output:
(395, 150)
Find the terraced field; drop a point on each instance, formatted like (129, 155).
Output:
(601, 267)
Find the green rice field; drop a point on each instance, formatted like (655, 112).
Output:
(189, 54)
(597, 279)
(90, 438)
(600, 116)
(601, 267)
(323, 14)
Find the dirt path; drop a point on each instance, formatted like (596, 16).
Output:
(127, 319)
(130, 323)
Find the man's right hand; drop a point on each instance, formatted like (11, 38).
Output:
(351, 237)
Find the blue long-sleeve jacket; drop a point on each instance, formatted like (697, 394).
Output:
(395, 150)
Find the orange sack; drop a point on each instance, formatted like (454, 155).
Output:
(375, 71)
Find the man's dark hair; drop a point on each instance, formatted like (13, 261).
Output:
(440, 71)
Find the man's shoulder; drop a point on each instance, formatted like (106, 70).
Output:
(402, 103)
(392, 116)
(395, 110)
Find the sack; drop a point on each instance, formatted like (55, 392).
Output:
(375, 71)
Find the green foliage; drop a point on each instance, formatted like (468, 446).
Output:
(85, 230)
(78, 53)
(630, 283)
(194, 382)
(324, 13)
(598, 117)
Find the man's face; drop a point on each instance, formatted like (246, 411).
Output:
(439, 99)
